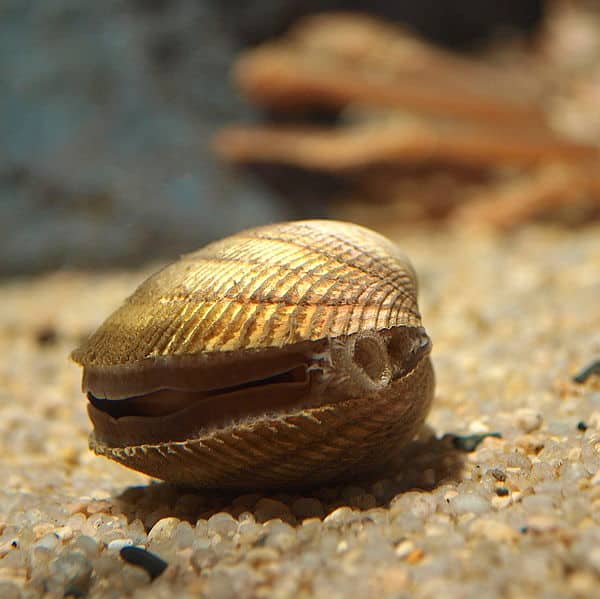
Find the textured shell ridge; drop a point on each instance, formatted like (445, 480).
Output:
(265, 287)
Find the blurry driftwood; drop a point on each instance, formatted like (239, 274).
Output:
(568, 194)
(548, 190)
(427, 121)
(339, 59)
(453, 143)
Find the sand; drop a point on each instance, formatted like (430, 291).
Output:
(512, 318)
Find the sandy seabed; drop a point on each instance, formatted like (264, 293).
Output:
(512, 318)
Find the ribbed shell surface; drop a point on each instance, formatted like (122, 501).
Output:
(266, 287)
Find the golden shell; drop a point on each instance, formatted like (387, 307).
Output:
(282, 355)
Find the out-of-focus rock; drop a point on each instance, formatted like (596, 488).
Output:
(105, 113)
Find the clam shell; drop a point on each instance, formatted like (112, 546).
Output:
(247, 308)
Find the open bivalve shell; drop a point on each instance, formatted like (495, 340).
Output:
(286, 355)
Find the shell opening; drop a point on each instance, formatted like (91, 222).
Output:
(368, 362)
(370, 355)
(361, 364)
(171, 415)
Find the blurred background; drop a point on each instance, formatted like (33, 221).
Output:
(134, 130)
